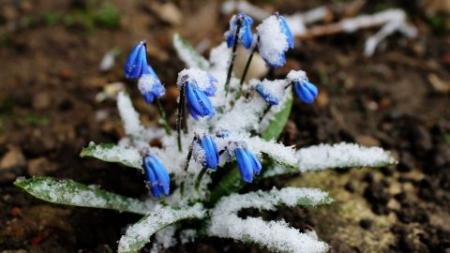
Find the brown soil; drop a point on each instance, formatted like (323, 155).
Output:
(49, 78)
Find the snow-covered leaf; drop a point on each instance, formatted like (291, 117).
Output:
(342, 155)
(108, 152)
(160, 217)
(130, 118)
(188, 54)
(278, 121)
(275, 235)
(69, 192)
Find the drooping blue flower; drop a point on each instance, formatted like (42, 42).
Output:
(306, 91)
(245, 36)
(286, 30)
(266, 95)
(150, 87)
(248, 164)
(157, 176)
(211, 154)
(198, 102)
(136, 64)
(198, 87)
(275, 38)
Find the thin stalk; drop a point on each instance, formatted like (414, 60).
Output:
(189, 155)
(233, 57)
(163, 119)
(244, 74)
(180, 115)
(199, 178)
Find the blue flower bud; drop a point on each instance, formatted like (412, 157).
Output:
(150, 87)
(275, 38)
(136, 64)
(306, 91)
(157, 176)
(265, 94)
(248, 164)
(211, 159)
(198, 102)
(245, 36)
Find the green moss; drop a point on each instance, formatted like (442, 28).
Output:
(107, 16)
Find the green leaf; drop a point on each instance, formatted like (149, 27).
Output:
(69, 192)
(160, 217)
(188, 54)
(109, 152)
(279, 120)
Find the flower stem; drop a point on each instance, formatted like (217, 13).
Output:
(244, 74)
(180, 115)
(189, 155)
(199, 178)
(233, 57)
(163, 119)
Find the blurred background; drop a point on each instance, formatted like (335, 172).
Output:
(61, 61)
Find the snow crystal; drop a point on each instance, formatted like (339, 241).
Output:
(342, 155)
(275, 235)
(130, 117)
(272, 41)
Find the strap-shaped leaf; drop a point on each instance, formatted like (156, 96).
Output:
(188, 54)
(160, 217)
(109, 152)
(278, 121)
(275, 235)
(69, 192)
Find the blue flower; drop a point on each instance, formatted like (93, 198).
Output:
(198, 102)
(136, 64)
(265, 94)
(249, 166)
(150, 87)
(198, 86)
(286, 30)
(245, 32)
(306, 91)
(275, 38)
(157, 176)
(211, 159)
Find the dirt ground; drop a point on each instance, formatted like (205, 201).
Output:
(398, 99)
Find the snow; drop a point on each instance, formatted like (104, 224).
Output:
(130, 117)
(164, 239)
(146, 82)
(275, 150)
(342, 155)
(70, 193)
(272, 41)
(296, 75)
(198, 76)
(139, 234)
(122, 154)
(275, 235)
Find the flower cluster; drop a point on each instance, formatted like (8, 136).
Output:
(197, 87)
(137, 68)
